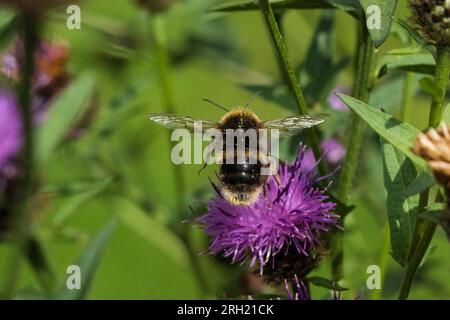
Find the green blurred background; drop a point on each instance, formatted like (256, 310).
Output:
(121, 165)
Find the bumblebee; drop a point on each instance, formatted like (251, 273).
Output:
(242, 181)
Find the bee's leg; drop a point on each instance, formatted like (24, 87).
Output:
(266, 195)
(208, 158)
(202, 168)
(277, 179)
(273, 167)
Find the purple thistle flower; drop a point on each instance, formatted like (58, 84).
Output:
(291, 217)
(10, 131)
(335, 102)
(333, 152)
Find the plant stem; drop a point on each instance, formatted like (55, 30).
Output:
(37, 259)
(362, 88)
(424, 230)
(416, 259)
(441, 80)
(289, 75)
(407, 96)
(21, 202)
(163, 65)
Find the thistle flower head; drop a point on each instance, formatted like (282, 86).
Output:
(434, 147)
(432, 18)
(290, 217)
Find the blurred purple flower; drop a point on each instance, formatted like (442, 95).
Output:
(291, 217)
(10, 131)
(50, 75)
(10, 66)
(333, 152)
(335, 102)
(50, 72)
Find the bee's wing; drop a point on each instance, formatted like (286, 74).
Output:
(173, 121)
(292, 125)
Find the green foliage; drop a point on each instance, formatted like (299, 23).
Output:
(319, 72)
(117, 177)
(414, 35)
(407, 61)
(8, 25)
(152, 231)
(67, 108)
(346, 5)
(430, 86)
(326, 283)
(399, 173)
(400, 134)
(88, 262)
(387, 10)
(422, 182)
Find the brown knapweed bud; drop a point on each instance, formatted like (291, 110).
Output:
(434, 147)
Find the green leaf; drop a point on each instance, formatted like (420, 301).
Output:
(8, 25)
(319, 71)
(38, 260)
(88, 262)
(400, 134)
(430, 86)
(427, 255)
(341, 209)
(325, 283)
(73, 202)
(423, 181)
(413, 62)
(386, 93)
(64, 112)
(346, 5)
(435, 213)
(382, 10)
(276, 92)
(317, 74)
(399, 173)
(153, 231)
(446, 114)
(416, 36)
(438, 213)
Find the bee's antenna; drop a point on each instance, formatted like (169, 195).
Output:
(252, 98)
(216, 104)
